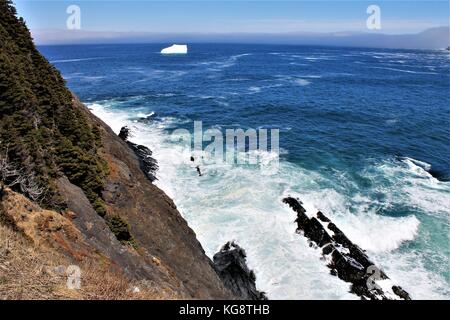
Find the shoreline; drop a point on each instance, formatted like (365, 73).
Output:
(155, 136)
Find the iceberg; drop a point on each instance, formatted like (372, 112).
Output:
(176, 48)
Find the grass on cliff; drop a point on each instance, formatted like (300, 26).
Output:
(28, 271)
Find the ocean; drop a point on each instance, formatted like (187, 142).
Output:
(360, 131)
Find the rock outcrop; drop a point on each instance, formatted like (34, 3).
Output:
(230, 264)
(345, 259)
(148, 164)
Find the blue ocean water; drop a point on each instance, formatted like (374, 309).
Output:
(359, 131)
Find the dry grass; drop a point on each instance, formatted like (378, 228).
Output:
(33, 266)
(24, 270)
(29, 272)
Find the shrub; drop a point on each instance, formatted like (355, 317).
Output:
(121, 229)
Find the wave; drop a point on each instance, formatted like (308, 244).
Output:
(243, 203)
(219, 65)
(408, 183)
(416, 165)
(77, 60)
(258, 89)
(410, 270)
(302, 82)
(145, 115)
(402, 70)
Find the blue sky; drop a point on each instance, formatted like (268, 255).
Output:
(235, 16)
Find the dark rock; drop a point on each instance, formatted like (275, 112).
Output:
(147, 163)
(401, 293)
(230, 265)
(2, 190)
(322, 217)
(124, 133)
(316, 232)
(327, 249)
(348, 269)
(348, 261)
(302, 219)
(199, 171)
(339, 236)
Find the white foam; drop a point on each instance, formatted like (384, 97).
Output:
(403, 70)
(372, 232)
(302, 82)
(408, 270)
(410, 184)
(76, 60)
(145, 115)
(223, 63)
(255, 89)
(416, 165)
(239, 202)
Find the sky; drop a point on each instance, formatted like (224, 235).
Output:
(319, 22)
(213, 16)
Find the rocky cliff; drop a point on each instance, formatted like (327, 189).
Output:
(76, 194)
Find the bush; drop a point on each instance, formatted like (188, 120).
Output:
(121, 229)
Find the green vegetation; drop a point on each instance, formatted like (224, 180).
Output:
(121, 230)
(41, 131)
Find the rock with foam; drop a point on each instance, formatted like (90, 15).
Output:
(345, 259)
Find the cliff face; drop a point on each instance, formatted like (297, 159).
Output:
(158, 229)
(71, 189)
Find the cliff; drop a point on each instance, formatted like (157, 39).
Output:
(74, 194)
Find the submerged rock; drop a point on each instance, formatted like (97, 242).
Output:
(346, 260)
(230, 264)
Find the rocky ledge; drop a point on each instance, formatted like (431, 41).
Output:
(345, 259)
(230, 264)
(147, 163)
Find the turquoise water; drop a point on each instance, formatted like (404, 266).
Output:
(360, 130)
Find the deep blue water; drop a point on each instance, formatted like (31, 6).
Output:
(359, 104)
(348, 118)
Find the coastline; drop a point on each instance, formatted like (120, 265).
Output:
(171, 180)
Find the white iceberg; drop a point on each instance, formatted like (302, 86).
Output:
(176, 48)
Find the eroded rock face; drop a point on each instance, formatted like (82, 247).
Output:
(100, 237)
(230, 264)
(346, 260)
(159, 230)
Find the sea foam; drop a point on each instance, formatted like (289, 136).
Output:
(237, 202)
